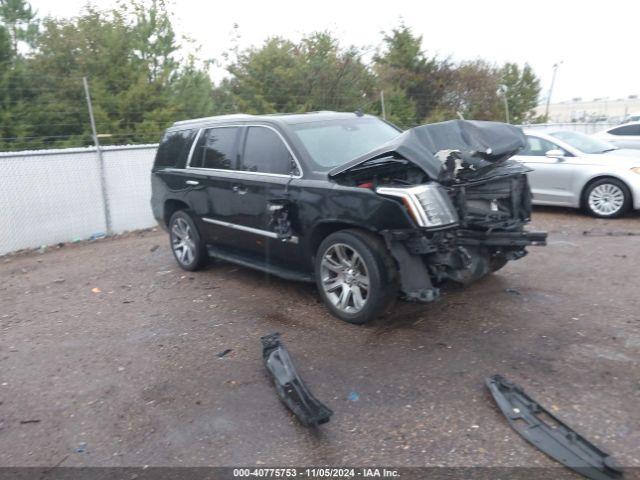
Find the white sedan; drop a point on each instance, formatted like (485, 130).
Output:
(571, 169)
(626, 135)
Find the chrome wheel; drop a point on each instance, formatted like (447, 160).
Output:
(345, 278)
(182, 242)
(606, 199)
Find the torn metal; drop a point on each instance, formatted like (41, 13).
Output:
(556, 439)
(290, 387)
(442, 149)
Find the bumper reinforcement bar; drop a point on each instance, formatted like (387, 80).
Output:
(557, 440)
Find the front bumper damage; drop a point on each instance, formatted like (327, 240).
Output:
(462, 255)
(558, 440)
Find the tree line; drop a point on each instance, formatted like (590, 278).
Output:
(141, 81)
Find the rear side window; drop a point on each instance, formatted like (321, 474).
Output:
(265, 151)
(626, 130)
(215, 148)
(174, 149)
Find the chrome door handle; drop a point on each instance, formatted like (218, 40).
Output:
(192, 182)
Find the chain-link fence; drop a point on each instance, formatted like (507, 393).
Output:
(52, 196)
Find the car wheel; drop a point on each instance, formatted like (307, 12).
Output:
(607, 198)
(186, 243)
(355, 275)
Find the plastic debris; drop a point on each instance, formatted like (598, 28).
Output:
(224, 353)
(96, 290)
(290, 387)
(353, 397)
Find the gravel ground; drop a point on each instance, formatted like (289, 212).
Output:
(108, 357)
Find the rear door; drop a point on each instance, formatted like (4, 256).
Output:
(211, 181)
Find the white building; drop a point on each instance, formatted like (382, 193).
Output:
(598, 109)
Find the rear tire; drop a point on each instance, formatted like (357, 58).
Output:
(607, 198)
(355, 275)
(186, 242)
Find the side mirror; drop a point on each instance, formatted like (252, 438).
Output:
(555, 153)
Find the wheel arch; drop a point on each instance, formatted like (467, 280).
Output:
(596, 178)
(171, 206)
(323, 229)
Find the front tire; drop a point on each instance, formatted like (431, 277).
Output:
(607, 198)
(186, 243)
(355, 275)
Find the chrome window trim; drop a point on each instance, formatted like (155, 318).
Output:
(244, 228)
(284, 141)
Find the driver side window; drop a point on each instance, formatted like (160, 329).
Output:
(537, 147)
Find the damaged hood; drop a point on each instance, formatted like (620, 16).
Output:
(479, 144)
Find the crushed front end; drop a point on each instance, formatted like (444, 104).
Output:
(469, 202)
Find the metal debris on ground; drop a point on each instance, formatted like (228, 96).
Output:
(558, 440)
(290, 387)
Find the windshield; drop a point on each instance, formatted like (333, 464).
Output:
(583, 142)
(335, 142)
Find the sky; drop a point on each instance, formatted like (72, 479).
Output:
(597, 42)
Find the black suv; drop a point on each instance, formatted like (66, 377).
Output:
(346, 200)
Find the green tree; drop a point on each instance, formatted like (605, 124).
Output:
(471, 92)
(313, 74)
(139, 85)
(415, 82)
(20, 22)
(523, 90)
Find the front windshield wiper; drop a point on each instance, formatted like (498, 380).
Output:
(609, 150)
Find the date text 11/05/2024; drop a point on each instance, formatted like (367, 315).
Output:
(327, 472)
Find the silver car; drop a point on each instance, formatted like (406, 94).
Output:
(571, 169)
(626, 135)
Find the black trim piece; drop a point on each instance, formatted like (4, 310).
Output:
(290, 387)
(558, 440)
(261, 265)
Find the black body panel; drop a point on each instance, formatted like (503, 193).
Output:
(275, 222)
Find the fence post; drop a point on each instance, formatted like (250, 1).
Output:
(384, 112)
(103, 180)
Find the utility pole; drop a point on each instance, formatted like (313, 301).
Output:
(384, 112)
(103, 181)
(553, 81)
(503, 90)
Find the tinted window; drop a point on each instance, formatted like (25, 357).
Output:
(215, 148)
(174, 149)
(264, 151)
(626, 130)
(537, 147)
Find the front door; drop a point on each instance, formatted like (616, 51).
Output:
(552, 177)
(266, 167)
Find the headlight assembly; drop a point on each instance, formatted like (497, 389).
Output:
(428, 204)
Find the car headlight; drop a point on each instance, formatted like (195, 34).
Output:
(428, 204)
(636, 170)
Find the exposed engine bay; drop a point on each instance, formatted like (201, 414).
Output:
(469, 201)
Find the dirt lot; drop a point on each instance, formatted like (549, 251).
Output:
(111, 351)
